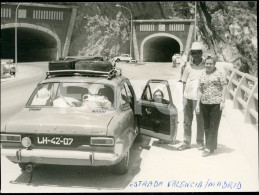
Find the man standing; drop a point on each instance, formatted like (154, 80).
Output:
(190, 79)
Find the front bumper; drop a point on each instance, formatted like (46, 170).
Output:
(61, 157)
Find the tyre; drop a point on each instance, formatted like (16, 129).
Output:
(22, 166)
(117, 60)
(123, 166)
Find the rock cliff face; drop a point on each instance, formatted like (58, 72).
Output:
(227, 29)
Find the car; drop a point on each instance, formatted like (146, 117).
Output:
(8, 66)
(87, 118)
(176, 59)
(123, 57)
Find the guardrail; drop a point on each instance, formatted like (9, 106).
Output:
(243, 91)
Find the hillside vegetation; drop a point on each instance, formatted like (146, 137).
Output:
(227, 29)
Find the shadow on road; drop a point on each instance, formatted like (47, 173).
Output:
(222, 149)
(169, 146)
(89, 177)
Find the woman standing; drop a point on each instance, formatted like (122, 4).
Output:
(211, 93)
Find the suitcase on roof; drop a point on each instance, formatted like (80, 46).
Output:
(62, 65)
(105, 66)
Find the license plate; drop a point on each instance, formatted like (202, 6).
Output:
(66, 141)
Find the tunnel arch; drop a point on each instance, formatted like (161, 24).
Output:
(39, 28)
(157, 35)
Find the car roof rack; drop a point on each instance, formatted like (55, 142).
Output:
(90, 73)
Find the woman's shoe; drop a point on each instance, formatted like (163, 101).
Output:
(206, 152)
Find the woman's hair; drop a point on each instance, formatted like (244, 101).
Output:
(158, 90)
(210, 57)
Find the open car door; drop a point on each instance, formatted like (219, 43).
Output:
(158, 120)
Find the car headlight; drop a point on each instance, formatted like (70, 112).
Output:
(10, 138)
(102, 141)
(26, 142)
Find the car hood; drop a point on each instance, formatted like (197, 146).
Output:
(57, 121)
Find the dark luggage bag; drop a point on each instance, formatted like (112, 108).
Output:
(62, 65)
(104, 66)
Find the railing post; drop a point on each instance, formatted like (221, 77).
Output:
(238, 93)
(229, 76)
(252, 103)
(245, 96)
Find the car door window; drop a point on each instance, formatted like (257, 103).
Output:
(159, 86)
(151, 88)
(129, 94)
(147, 94)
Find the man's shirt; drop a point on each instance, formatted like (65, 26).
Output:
(191, 76)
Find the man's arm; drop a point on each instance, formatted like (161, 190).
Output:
(199, 93)
(222, 103)
(185, 76)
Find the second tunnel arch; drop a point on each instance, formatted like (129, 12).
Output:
(37, 28)
(174, 38)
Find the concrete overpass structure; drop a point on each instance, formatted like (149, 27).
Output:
(159, 40)
(44, 31)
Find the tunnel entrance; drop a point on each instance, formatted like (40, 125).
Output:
(32, 45)
(160, 49)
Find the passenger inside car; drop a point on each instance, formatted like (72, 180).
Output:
(70, 96)
(158, 97)
(42, 97)
(107, 92)
(103, 99)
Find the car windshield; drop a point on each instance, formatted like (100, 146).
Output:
(83, 95)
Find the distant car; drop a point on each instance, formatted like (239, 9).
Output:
(8, 66)
(86, 118)
(123, 57)
(176, 59)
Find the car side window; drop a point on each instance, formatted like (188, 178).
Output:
(124, 97)
(129, 94)
(152, 88)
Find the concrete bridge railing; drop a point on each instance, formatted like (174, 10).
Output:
(243, 91)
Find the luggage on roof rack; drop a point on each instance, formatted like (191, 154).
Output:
(85, 58)
(76, 64)
(94, 65)
(62, 64)
(108, 74)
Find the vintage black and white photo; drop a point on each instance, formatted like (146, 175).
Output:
(141, 96)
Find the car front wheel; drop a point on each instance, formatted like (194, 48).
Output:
(123, 166)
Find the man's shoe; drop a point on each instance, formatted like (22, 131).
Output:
(206, 152)
(183, 147)
(200, 146)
